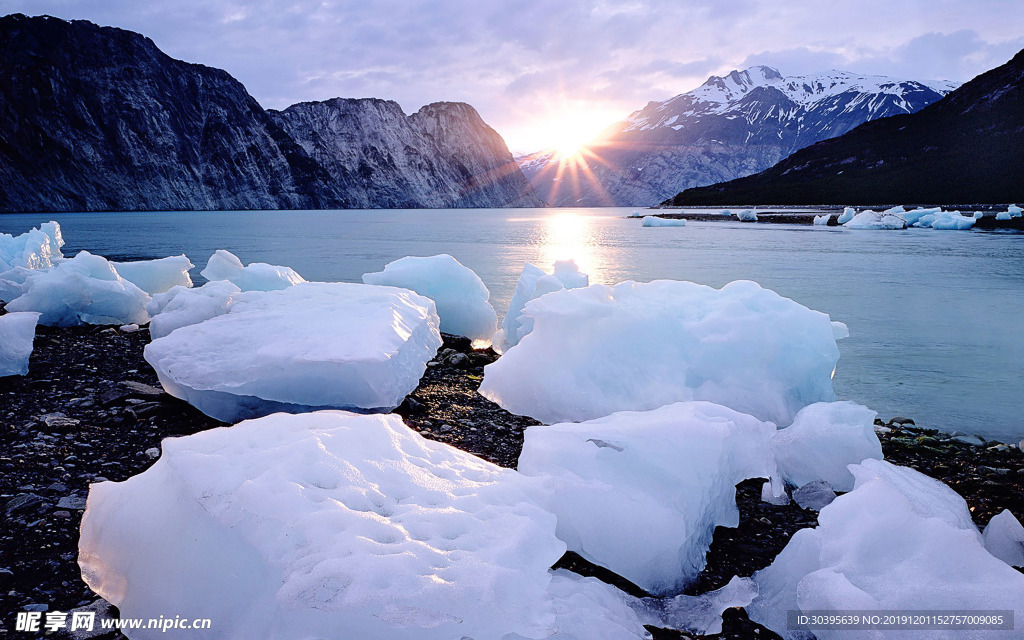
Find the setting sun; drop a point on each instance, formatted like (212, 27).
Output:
(565, 127)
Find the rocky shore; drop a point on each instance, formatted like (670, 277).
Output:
(91, 409)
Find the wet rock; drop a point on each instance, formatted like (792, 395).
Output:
(72, 502)
(141, 389)
(23, 503)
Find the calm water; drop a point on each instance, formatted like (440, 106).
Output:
(936, 317)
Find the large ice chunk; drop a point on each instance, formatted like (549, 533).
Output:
(315, 344)
(1004, 538)
(35, 249)
(656, 221)
(588, 609)
(641, 493)
(747, 215)
(946, 220)
(17, 332)
(847, 215)
(256, 276)
(181, 306)
(889, 219)
(899, 541)
(156, 276)
(324, 525)
(533, 283)
(85, 289)
(460, 295)
(824, 438)
(635, 346)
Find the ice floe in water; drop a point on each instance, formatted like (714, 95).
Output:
(822, 220)
(600, 349)
(460, 295)
(156, 276)
(256, 276)
(312, 345)
(335, 525)
(1004, 537)
(84, 289)
(17, 332)
(747, 215)
(533, 283)
(846, 215)
(877, 220)
(946, 220)
(656, 221)
(900, 541)
(641, 493)
(824, 438)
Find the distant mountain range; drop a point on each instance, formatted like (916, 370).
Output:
(966, 148)
(728, 127)
(98, 118)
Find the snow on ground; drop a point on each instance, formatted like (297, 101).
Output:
(312, 345)
(641, 493)
(256, 276)
(335, 525)
(899, 541)
(655, 221)
(156, 276)
(638, 346)
(460, 295)
(533, 283)
(17, 332)
(84, 289)
(824, 438)
(1004, 538)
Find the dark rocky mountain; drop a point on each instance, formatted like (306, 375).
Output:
(98, 118)
(728, 127)
(444, 155)
(966, 148)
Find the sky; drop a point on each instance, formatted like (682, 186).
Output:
(548, 72)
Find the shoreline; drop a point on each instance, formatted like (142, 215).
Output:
(91, 408)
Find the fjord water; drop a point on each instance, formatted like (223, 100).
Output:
(935, 317)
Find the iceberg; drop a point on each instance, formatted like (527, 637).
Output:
(84, 289)
(181, 306)
(912, 217)
(1004, 538)
(824, 438)
(847, 215)
(890, 219)
(655, 221)
(1003, 215)
(460, 295)
(312, 345)
(946, 220)
(256, 276)
(17, 332)
(641, 493)
(747, 215)
(35, 249)
(597, 350)
(822, 220)
(532, 284)
(900, 541)
(328, 525)
(1013, 210)
(156, 276)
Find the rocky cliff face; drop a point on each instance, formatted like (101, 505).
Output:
(966, 148)
(728, 127)
(442, 156)
(96, 118)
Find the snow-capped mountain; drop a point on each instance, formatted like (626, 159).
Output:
(728, 127)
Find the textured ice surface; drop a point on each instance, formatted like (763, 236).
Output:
(181, 306)
(641, 493)
(256, 276)
(697, 614)
(22, 254)
(84, 289)
(156, 276)
(460, 295)
(314, 344)
(824, 438)
(890, 219)
(747, 215)
(588, 609)
(17, 332)
(655, 221)
(914, 215)
(327, 525)
(899, 541)
(533, 283)
(1004, 538)
(636, 346)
